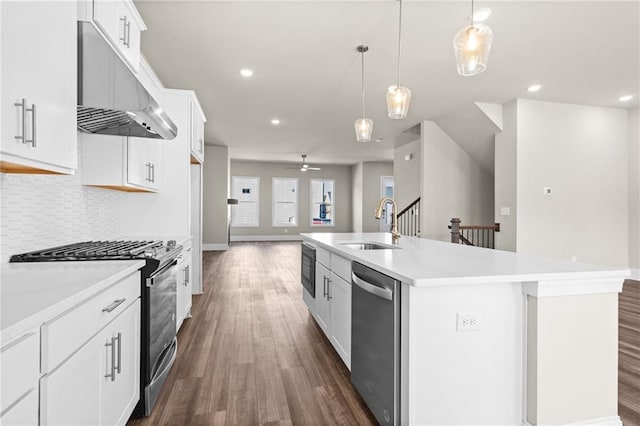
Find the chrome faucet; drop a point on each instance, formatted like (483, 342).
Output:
(394, 217)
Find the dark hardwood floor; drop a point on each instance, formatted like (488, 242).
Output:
(629, 354)
(252, 354)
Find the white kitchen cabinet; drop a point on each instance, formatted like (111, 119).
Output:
(340, 291)
(332, 307)
(122, 163)
(99, 383)
(183, 296)
(323, 301)
(39, 87)
(197, 131)
(19, 369)
(120, 23)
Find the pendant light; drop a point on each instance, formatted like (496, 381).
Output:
(363, 126)
(398, 97)
(471, 46)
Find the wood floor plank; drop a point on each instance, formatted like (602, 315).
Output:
(251, 353)
(629, 353)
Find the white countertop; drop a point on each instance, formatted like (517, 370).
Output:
(31, 293)
(422, 262)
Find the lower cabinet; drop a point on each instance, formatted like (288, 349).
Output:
(99, 383)
(19, 372)
(333, 304)
(184, 290)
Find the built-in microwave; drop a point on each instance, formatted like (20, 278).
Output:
(308, 269)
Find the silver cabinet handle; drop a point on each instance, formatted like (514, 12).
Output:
(118, 367)
(112, 375)
(148, 176)
(153, 173)
(114, 305)
(125, 31)
(23, 112)
(186, 275)
(329, 289)
(128, 34)
(33, 125)
(385, 293)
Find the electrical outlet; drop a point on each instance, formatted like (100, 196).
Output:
(468, 322)
(547, 190)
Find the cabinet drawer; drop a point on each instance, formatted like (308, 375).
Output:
(341, 267)
(20, 370)
(68, 331)
(323, 256)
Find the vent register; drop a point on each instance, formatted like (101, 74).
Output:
(111, 99)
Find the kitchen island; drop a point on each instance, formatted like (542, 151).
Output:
(542, 348)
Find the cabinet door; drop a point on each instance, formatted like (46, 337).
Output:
(121, 394)
(340, 294)
(25, 412)
(197, 132)
(39, 43)
(154, 157)
(71, 393)
(323, 303)
(180, 292)
(129, 35)
(138, 163)
(188, 275)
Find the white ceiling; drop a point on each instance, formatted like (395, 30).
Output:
(307, 71)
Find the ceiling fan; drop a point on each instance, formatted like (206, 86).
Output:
(304, 166)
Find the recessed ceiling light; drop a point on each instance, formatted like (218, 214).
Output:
(246, 72)
(481, 14)
(275, 121)
(534, 88)
(625, 98)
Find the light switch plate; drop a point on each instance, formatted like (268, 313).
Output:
(505, 211)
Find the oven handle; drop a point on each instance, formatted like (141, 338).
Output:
(161, 271)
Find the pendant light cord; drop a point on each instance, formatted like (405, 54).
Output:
(362, 54)
(472, 13)
(399, 41)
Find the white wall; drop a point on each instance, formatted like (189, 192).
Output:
(506, 178)
(634, 188)
(373, 171)
(215, 186)
(41, 211)
(406, 174)
(357, 175)
(581, 153)
(342, 205)
(453, 185)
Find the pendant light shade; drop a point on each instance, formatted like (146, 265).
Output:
(364, 129)
(471, 46)
(363, 126)
(398, 97)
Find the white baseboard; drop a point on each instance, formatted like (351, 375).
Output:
(214, 246)
(266, 238)
(600, 421)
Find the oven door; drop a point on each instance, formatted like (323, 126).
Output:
(308, 271)
(161, 290)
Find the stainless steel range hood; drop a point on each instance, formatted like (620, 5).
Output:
(111, 100)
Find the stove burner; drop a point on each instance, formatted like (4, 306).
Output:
(94, 250)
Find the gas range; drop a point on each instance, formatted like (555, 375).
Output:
(102, 250)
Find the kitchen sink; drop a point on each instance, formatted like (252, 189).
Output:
(369, 246)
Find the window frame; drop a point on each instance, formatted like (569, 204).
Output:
(239, 198)
(333, 204)
(296, 224)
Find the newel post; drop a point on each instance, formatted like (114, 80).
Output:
(455, 230)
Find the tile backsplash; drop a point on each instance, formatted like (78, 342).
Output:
(40, 211)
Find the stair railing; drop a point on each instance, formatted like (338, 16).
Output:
(474, 235)
(409, 219)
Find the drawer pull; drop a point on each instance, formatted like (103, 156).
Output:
(118, 367)
(114, 305)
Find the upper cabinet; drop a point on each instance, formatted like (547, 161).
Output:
(121, 163)
(197, 130)
(39, 87)
(120, 23)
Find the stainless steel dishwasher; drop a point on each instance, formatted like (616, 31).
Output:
(375, 341)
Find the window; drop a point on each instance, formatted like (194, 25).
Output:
(322, 202)
(247, 212)
(285, 201)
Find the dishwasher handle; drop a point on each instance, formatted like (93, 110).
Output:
(384, 293)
